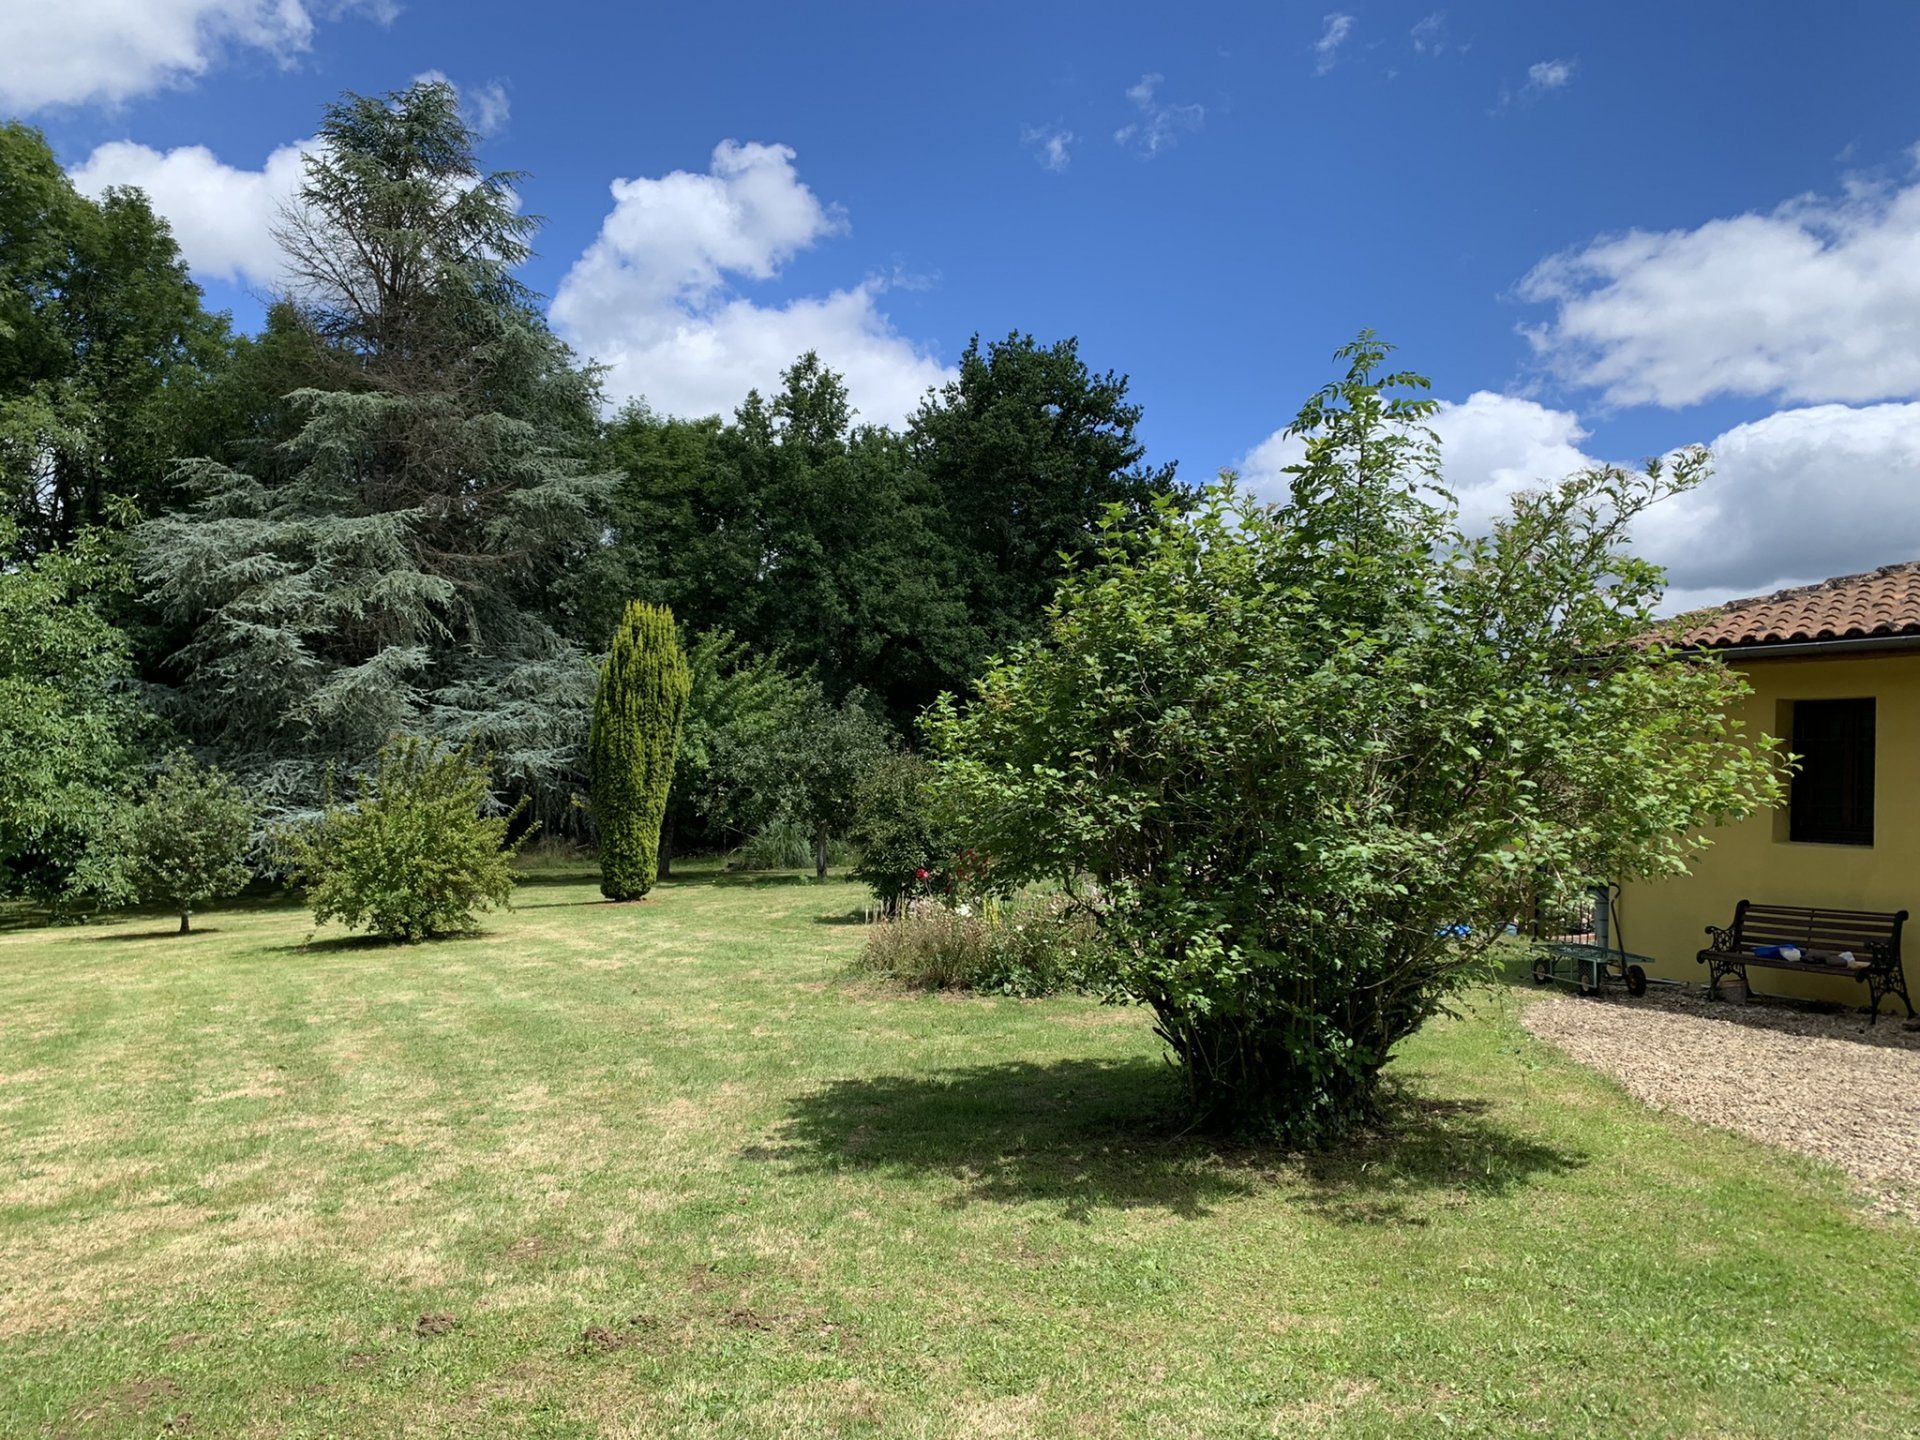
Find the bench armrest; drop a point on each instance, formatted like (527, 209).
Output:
(1722, 938)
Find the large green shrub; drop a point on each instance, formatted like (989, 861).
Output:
(904, 849)
(416, 853)
(1289, 751)
(637, 714)
(186, 840)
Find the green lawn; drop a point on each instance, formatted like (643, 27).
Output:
(662, 1169)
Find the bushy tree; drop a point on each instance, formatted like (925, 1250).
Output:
(637, 714)
(104, 349)
(739, 707)
(823, 757)
(380, 557)
(905, 848)
(891, 563)
(1025, 451)
(185, 841)
(808, 536)
(71, 724)
(1304, 760)
(416, 852)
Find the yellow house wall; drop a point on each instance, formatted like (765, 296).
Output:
(1754, 860)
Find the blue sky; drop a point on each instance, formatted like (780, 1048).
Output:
(1603, 230)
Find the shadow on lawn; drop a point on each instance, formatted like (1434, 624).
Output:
(1093, 1135)
(171, 932)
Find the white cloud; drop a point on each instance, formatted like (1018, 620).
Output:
(1160, 125)
(1052, 146)
(1546, 75)
(1543, 78)
(1333, 34)
(222, 217)
(1817, 300)
(652, 296)
(66, 52)
(489, 107)
(1794, 497)
(484, 107)
(1430, 35)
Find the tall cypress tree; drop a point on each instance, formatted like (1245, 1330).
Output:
(637, 714)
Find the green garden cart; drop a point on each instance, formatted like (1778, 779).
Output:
(1579, 950)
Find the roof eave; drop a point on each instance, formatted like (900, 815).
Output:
(1788, 649)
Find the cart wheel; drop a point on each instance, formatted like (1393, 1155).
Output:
(1636, 980)
(1542, 970)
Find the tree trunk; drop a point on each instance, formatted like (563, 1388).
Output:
(185, 927)
(666, 850)
(820, 853)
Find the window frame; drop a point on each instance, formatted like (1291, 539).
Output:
(1838, 761)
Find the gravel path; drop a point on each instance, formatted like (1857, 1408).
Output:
(1822, 1084)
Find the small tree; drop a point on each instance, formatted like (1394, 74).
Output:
(904, 849)
(824, 755)
(1304, 760)
(187, 840)
(738, 706)
(416, 853)
(637, 714)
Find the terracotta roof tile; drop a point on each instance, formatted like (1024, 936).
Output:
(1882, 602)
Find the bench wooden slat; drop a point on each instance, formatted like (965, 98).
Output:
(1870, 935)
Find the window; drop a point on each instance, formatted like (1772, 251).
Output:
(1831, 802)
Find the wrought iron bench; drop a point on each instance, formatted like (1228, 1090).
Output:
(1821, 936)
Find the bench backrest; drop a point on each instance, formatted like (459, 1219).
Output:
(1812, 928)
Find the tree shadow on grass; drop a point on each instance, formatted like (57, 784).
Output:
(172, 932)
(1093, 1135)
(337, 944)
(765, 879)
(848, 917)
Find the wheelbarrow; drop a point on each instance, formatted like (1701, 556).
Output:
(1588, 968)
(1579, 949)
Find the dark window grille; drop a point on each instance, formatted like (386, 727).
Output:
(1831, 801)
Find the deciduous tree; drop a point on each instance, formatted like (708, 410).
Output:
(185, 841)
(1304, 760)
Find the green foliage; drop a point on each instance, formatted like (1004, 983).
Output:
(1026, 947)
(104, 350)
(725, 781)
(379, 558)
(822, 759)
(1026, 451)
(794, 769)
(1286, 750)
(416, 853)
(186, 840)
(904, 850)
(783, 845)
(887, 563)
(70, 720)
(637, 714)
